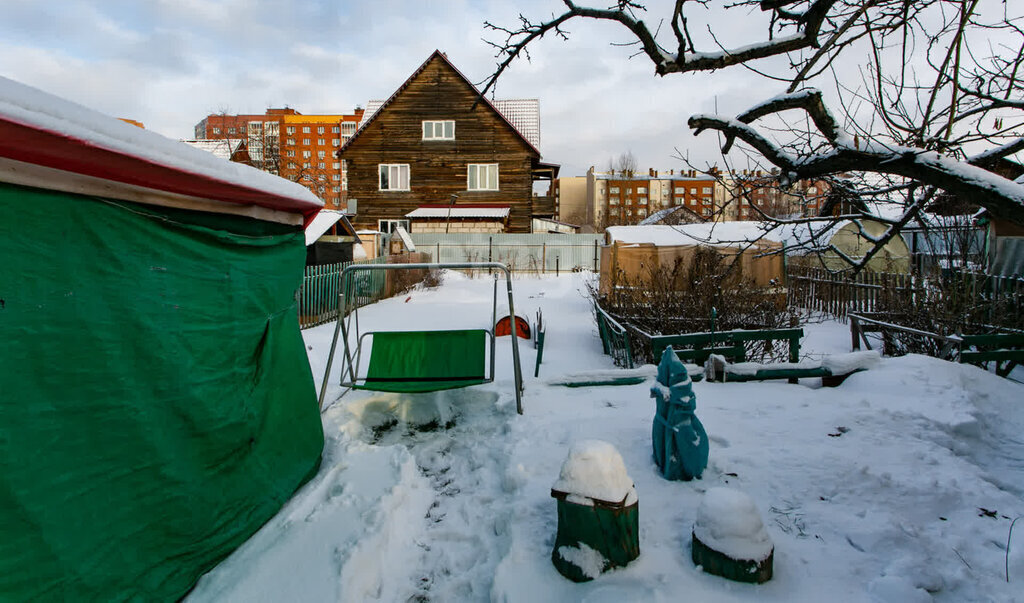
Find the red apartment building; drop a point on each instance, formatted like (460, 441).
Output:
(292, 145)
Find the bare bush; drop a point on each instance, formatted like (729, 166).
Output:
(699, 296)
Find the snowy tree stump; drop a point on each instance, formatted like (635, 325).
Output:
(729, 538)
(598, 513)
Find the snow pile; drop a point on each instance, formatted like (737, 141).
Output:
(842, 364)
(899, 484)
(590, 562)
(594, 470)
(728, 522)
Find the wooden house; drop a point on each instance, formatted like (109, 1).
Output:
(436, 137)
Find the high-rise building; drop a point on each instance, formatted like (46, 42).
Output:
(292, 145)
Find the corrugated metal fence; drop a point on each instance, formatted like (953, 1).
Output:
(530, 253)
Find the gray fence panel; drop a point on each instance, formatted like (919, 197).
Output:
(540, 253)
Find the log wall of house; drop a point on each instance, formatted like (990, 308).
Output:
(437, 169)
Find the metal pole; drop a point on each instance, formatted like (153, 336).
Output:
(451, 202)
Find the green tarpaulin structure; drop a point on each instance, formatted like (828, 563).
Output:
(156, 403)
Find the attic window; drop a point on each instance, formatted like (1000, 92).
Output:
(439, 130)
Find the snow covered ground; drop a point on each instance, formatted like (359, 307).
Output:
(899, 485)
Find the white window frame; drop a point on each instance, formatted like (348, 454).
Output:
(431, 128)
(482, 177)
(397, 172)
(388, 226)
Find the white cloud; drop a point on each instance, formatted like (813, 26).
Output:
(169, 63)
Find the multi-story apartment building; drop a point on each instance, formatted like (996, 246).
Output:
(752, 194)
(608, 198)
(292, 145)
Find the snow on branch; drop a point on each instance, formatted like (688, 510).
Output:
(1000, 195)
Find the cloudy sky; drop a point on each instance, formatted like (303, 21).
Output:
(169, 63)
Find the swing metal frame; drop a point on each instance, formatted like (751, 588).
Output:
(348, 313)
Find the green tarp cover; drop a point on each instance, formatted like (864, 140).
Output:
(426, 361)
(156, 403)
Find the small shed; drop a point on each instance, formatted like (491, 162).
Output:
(636, 252)
(330, 239)
(802, 240)
(158, 405)
(1004, 245)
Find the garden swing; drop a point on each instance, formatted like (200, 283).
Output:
(417, 361)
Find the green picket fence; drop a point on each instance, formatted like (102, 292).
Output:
(321, 285)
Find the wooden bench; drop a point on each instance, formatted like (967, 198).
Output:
(1006, 350)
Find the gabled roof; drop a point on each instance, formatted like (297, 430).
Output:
(437, 54)
(669, 214)
(51, 143)
(324, 221)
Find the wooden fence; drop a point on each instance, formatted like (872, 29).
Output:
(321, 285)
(839, 294)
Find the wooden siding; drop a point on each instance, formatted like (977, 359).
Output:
(437, 169)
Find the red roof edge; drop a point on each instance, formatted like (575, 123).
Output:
(32, 144)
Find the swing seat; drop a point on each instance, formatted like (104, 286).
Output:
(426, 361)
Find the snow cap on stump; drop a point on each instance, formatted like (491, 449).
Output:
(594, 470)
(729, 537)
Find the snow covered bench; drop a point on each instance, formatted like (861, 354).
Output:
(698, 347)
(833, 370)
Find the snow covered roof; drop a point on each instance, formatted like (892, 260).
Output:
(664, 214)
(706, 233)
(52, 143)
(463, 211)
(324, 221)
(225, 148)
